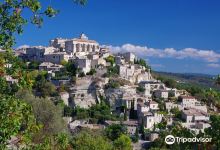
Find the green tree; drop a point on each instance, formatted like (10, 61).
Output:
(218, 80)
(114, 131)
(90, 141)
(48, 89)
(170, 83)
(112, 84)
(91, 72)
(110, 59)
(46, 113)
(68, 111)
(33, 65)
(44, 87)
(136, 136)
(123, 143)
(81, 113)
(16, 120)
(13, 20)
(70, 68)
(141, 62)
(214, 130)
(176, 112)
(140, 89)
(101, 112)
(112, 71)
(62, 141)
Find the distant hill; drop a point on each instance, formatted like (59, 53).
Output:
(195, 78)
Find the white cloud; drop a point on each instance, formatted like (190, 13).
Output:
(22, 46)
(144, 51)
(213, 65)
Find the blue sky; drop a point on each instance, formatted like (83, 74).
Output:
(173, 35)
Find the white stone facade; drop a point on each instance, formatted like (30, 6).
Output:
(129, 57)
(161, 94)
(57, 57)
(194, 115)
(50, 67)
(58, 43)
(84, 64)
(37, 53)
(81, 46)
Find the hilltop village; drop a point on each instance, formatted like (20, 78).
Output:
(122, 81)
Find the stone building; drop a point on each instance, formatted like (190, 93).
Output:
(150, 119)
(194, 115)
(186, 102)
(58, 43)
(147, 114)
(83, 63)
(81, 46)
(37, 53)
(161, 93)
(129, 57)
(130, 125)
(57, 57)
(48, 66)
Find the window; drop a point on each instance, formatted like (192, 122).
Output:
(93, 48)
(77, 47)
(83, 47)
(88, 47)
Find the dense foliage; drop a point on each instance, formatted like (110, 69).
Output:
(91, 141)
(205, 94)
(23, 117)
(218, 80)
(97, 113)
(17, 119)
(111, 60)
(140, 89)
(12, 18)
(142, 62)
(114, 131)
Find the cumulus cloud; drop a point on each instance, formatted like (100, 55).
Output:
(144, 51)
(22, 46)
(213, 65)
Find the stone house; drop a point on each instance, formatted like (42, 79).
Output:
(161, 93)
(50, 67)
(193, 115)
(84, 64)
(37, 53)
(57, 57)
(131, 125)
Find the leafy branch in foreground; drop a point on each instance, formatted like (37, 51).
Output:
(17, 120)
(12, 18)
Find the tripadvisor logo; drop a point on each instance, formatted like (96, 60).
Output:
(170, 139)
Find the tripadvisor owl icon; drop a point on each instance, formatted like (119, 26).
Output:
(170, 139)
